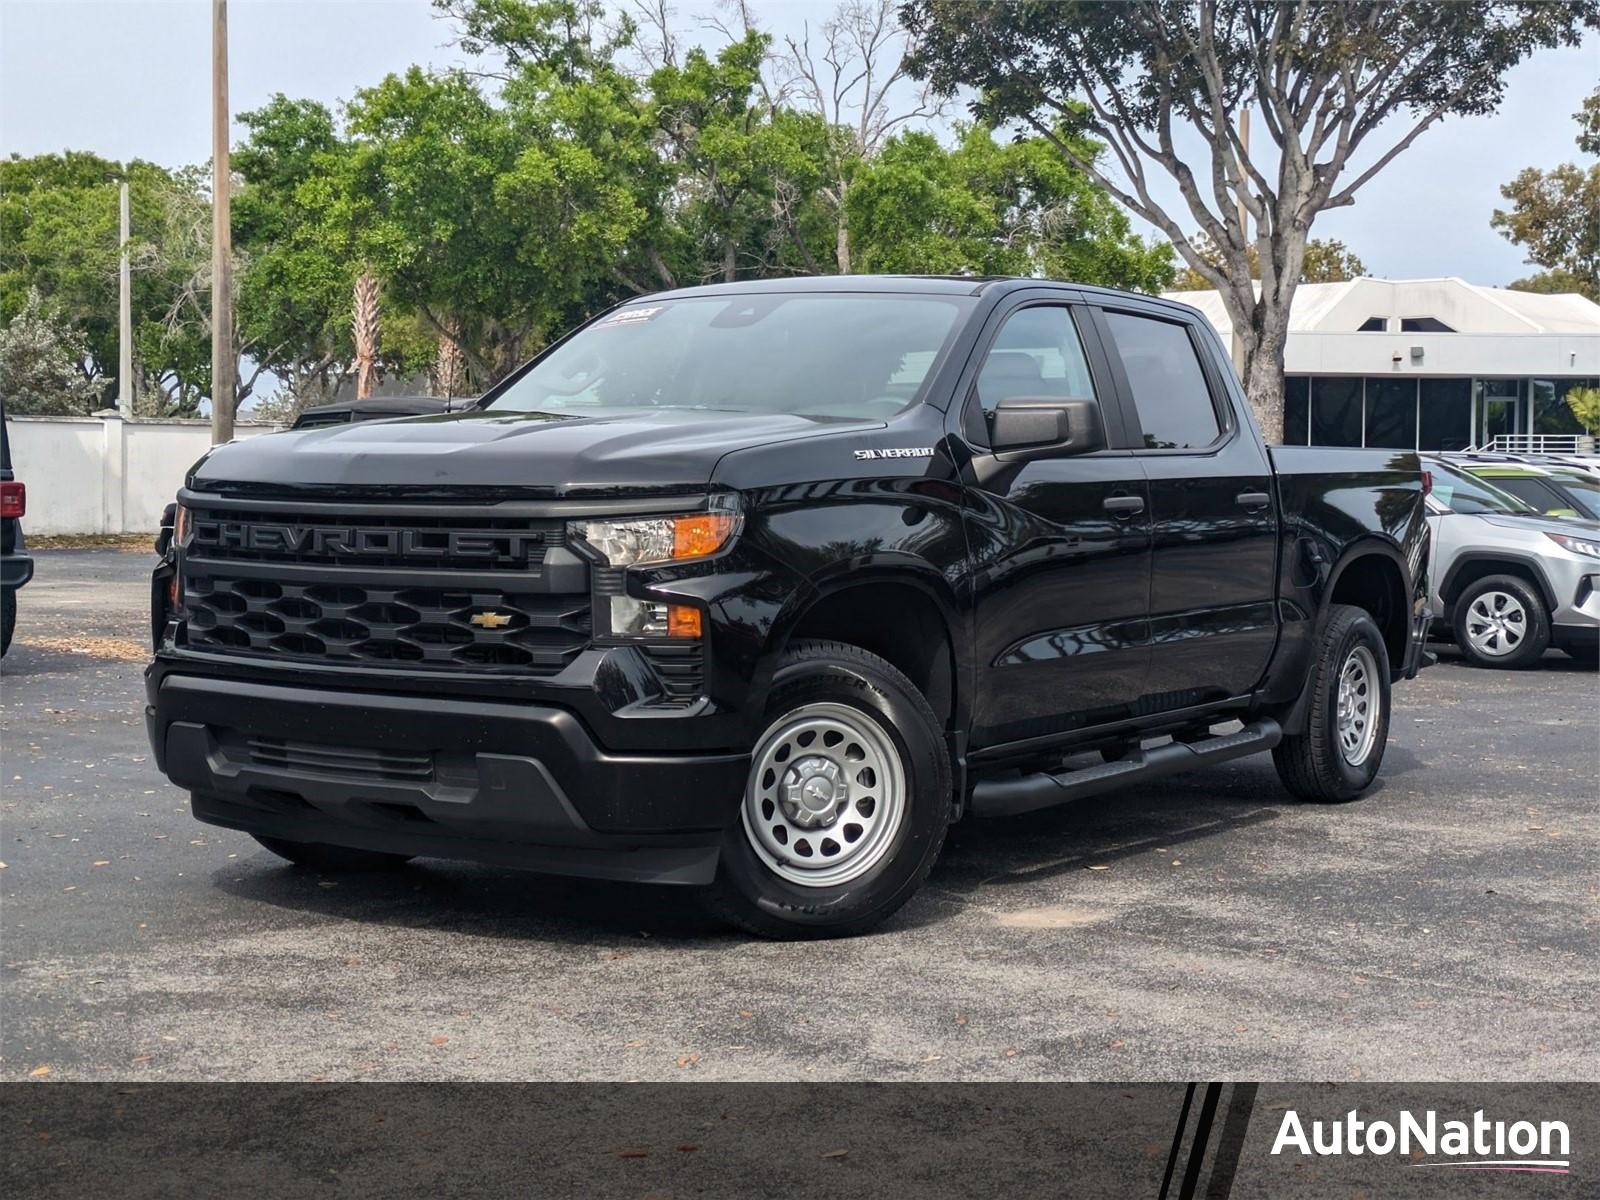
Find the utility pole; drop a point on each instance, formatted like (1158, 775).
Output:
(124, 313)
(1244, 227)
(223, 366)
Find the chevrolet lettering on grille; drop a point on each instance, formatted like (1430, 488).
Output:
(342, 540)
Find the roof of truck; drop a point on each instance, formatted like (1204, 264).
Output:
(945, 285)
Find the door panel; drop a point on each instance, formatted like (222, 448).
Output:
(1214, 521)
(1061, 577)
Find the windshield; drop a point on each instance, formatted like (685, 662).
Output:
(821, 355)
(1461, 493)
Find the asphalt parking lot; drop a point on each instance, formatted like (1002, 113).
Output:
(1445, 927)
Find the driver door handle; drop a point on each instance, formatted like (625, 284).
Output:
(1123, 507)
(1253, 501)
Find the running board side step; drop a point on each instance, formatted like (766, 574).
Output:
(1008, 797)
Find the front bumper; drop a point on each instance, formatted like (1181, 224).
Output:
(504, 782)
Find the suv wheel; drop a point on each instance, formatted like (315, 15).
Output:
(320, 856)
(8, 617)
(1347, 728)
(1500, 621)
(847, 802)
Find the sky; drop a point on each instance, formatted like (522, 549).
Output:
(131, 79)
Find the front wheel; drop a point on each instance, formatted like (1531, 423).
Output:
(1341, 748)
(847, 801)
(1501, 622)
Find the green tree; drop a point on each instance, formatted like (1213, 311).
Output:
(1555, 216)
(59, 233)
(1015, 208)
(41, 363)
(1585, 405)
(1322, 79)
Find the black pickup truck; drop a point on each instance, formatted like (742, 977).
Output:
(758, 587)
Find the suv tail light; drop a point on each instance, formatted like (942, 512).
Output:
(1427, 483)
(13, 499)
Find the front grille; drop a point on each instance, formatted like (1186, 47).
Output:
(361, 539)
(348, 622)
(427, 589)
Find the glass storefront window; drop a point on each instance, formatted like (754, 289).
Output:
(1392, 413)
(1335, 411)
(1497, 408)
(1445, 410)
(1550, 411)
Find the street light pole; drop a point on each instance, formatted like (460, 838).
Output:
(223, 366)
(124, 311)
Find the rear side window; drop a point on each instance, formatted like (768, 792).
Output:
(1530, 490)
(1168, 384)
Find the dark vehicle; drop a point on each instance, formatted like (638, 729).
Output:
(379, 408)
(16, 568)
(758, 587)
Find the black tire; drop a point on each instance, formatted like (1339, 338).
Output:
(320, 856)
(8, 618)
(752, 895)
(1313, 764)
(1535, 637)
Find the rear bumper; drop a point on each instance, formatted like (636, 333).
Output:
(15, 570)
(518, 784)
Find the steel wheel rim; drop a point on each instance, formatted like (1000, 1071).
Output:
(826, 795)
(1358, 703)
(1497, 623)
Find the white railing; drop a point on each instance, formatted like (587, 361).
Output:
(1541, 443)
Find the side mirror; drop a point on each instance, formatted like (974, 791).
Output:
(1045, 427)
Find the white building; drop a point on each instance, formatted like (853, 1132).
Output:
(1436, 364)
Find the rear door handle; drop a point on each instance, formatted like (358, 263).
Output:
(1253, 501)
(1123, 507)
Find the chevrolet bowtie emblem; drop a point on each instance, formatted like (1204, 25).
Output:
(489, 620)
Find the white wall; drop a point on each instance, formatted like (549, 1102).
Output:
(105, 475)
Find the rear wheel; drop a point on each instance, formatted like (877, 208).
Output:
(1500, 621)
(322, 857)
(8, 617)
(846, 805)
(1341, 748)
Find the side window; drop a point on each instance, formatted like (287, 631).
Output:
(1168, 384)
(1037, 353)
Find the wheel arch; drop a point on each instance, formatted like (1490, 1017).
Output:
(1371, 575)
(904, 617)
(1468, 568)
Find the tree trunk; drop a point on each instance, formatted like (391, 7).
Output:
(450, 365)
(730, 261)
(842, 245)
(364, 330)
(1263, 380)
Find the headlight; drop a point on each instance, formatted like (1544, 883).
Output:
(658, 539)
(1588, 547)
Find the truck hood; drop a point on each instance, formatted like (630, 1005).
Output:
(633, 453)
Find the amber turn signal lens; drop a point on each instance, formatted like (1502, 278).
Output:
(683, 621)
(698, 535)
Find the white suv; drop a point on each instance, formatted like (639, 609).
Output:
(1507, 582)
